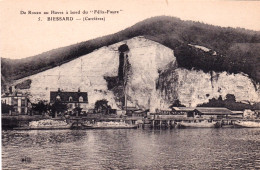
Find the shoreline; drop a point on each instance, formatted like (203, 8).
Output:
(12, 122)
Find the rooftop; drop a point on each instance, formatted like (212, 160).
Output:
(237, 112)
(69, 97)
(15, 94)
(183, 109)
(213, 110)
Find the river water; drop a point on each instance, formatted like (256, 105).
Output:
(226, 148)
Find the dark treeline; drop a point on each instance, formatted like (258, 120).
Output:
(230, 103)
(237, 62)
(237, 49)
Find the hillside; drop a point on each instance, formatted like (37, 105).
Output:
(154, 79)
(237, 50)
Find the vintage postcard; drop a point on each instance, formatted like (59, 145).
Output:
(127, 84)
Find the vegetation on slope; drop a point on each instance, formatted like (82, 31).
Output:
(237, 49)
(230, 103)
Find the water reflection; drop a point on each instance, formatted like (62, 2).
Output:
(132, 149)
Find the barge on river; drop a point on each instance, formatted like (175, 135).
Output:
(202, 124)
(46, 124)
(247, 124)
(109, 125)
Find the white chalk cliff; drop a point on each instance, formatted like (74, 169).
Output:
(146, 88)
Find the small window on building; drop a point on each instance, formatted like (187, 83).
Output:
(70, 99)
(23, 102)
(15, 102)
(80, 99)
(22, 110)
(58, 97)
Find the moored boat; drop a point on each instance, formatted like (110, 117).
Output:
(110, 125)
(46, 124)
(247, 124)
(203, 124)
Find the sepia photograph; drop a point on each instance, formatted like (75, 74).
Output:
(128, 84)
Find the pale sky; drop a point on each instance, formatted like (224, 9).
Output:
(23, 36)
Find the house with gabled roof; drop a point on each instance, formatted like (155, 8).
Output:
(72, 99)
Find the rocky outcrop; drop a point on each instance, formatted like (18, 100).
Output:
(196, 87)
(155, 80)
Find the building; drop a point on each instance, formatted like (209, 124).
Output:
(183, 111)
(18, 100)
(72, 99)
(175, 113)
(164, 111)
(249, 114)
(140, 113)
(236, 114)
(257, 113)
(211, 112)
(130, 110)
(195, 112)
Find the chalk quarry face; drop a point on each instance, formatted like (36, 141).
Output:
(155, 80)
